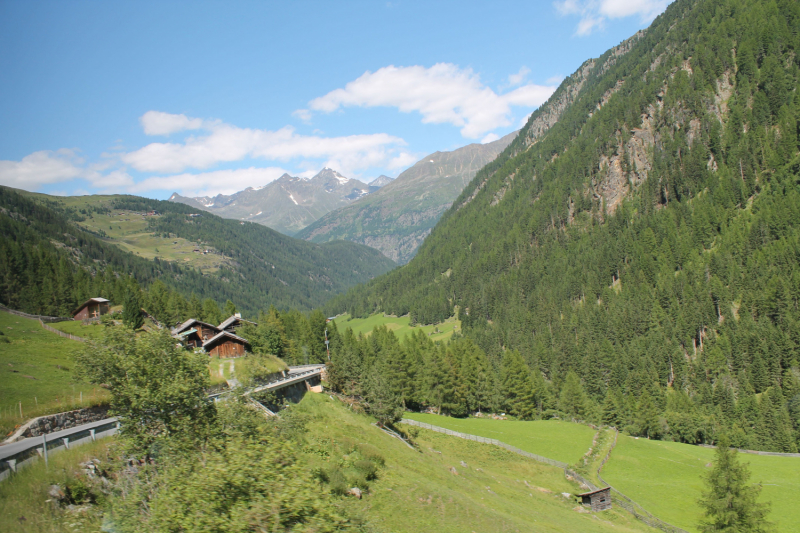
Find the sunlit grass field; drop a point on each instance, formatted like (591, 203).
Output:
(666, 478)
(417, 491)
(399, 325)
(562, 441)
(37, 370)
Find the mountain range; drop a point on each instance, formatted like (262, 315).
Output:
(396, 218)
(287, 204)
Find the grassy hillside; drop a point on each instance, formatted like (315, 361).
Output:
(666, 478)
(37, 370)
(562, 441)
(416, 490)
(401, 326)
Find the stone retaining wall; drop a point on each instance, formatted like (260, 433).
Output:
(59, 421)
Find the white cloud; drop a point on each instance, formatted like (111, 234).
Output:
(519, 77)
(489, 138)
(160, 123)
(303, 114)
(595, 13)
(554, 80)
(228, 143)
(210, 183)
(40, 168)
(443, 93)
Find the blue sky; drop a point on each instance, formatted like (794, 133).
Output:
(207, 97)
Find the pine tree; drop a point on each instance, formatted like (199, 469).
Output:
(730, 503)
(132, 310)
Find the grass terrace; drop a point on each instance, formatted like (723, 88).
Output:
(399, 325)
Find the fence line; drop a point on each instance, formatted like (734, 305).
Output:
(63, 334)
(51, 319)
(631, 506)
(484, 440)
(754, 452)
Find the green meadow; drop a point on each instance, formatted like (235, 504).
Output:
(37, 370)
(554, 439)
(497, 491)
(666, 478)
(399, 325)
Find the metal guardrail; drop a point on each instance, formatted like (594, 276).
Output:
(23, 452)
(20, 453)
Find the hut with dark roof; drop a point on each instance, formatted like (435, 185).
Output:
(599, 500)
(234, 322)
(91, 308)
(204, 330)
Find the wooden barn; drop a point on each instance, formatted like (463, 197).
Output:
(233, 323)
(204, 330)
(600, 500)
(190, 337)
(226, 344)
(91, 308)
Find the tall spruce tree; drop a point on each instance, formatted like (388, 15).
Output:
(132, 309)
(730, 503)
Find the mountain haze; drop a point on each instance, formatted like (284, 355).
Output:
(398, 217)
(287, 204)
(638, 242)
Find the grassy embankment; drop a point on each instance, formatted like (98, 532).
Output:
(399, 325)
(37, 370)
(24, 499)
(666, 478)
(416, 490)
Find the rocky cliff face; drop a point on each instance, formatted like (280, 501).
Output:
(398, 217)
(288, 204)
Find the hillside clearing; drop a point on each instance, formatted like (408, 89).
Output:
(399, 325)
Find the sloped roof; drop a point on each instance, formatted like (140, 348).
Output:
(219, 337)
(90, 301)
(231, 319)
(189, 323)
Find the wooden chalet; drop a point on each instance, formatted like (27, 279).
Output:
(91, 308)
(234, 322)
(599, 500)
(204, 330)
(226, 344)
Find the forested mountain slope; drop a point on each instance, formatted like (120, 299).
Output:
(398, 217)
(49, 263)
(642, 232)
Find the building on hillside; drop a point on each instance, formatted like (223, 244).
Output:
(190, 338)
(204, 330)
(599, 500)
(226, 344)
(91, 308)
(234, 322)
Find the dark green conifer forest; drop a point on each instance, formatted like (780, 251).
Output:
(638, 263)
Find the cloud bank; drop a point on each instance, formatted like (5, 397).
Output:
(442, 94)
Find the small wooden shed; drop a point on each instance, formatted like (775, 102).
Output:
(91, 308)
(600, 499)
(226, 344)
